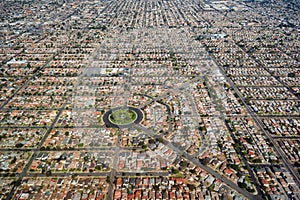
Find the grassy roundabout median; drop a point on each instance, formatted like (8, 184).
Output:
(122, 116)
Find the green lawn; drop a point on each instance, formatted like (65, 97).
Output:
(122, 116)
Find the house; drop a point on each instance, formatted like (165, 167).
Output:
(119, 182)
(117, 194)
(228, 172)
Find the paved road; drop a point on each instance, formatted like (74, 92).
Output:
(169, 116)
(24, 172)
(166, 94)
(286, 137)
(263, 165)
(149, 173)
(253, 115)
(105, 148)
(66, 174)
(197, 163)
(114, 169)
(127, 87)
(250, 170)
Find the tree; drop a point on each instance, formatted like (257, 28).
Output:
(191, 186)
(151, 141)
(86, 158)
(48, 173)
(80, 145)
(160, 140)
(19, 145)
(291, 74)
(211, 187)
(108, 179)
(242, 185)
(74, 176)
(184, 164)
(13, 160)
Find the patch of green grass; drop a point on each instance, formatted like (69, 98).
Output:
(122, 116)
